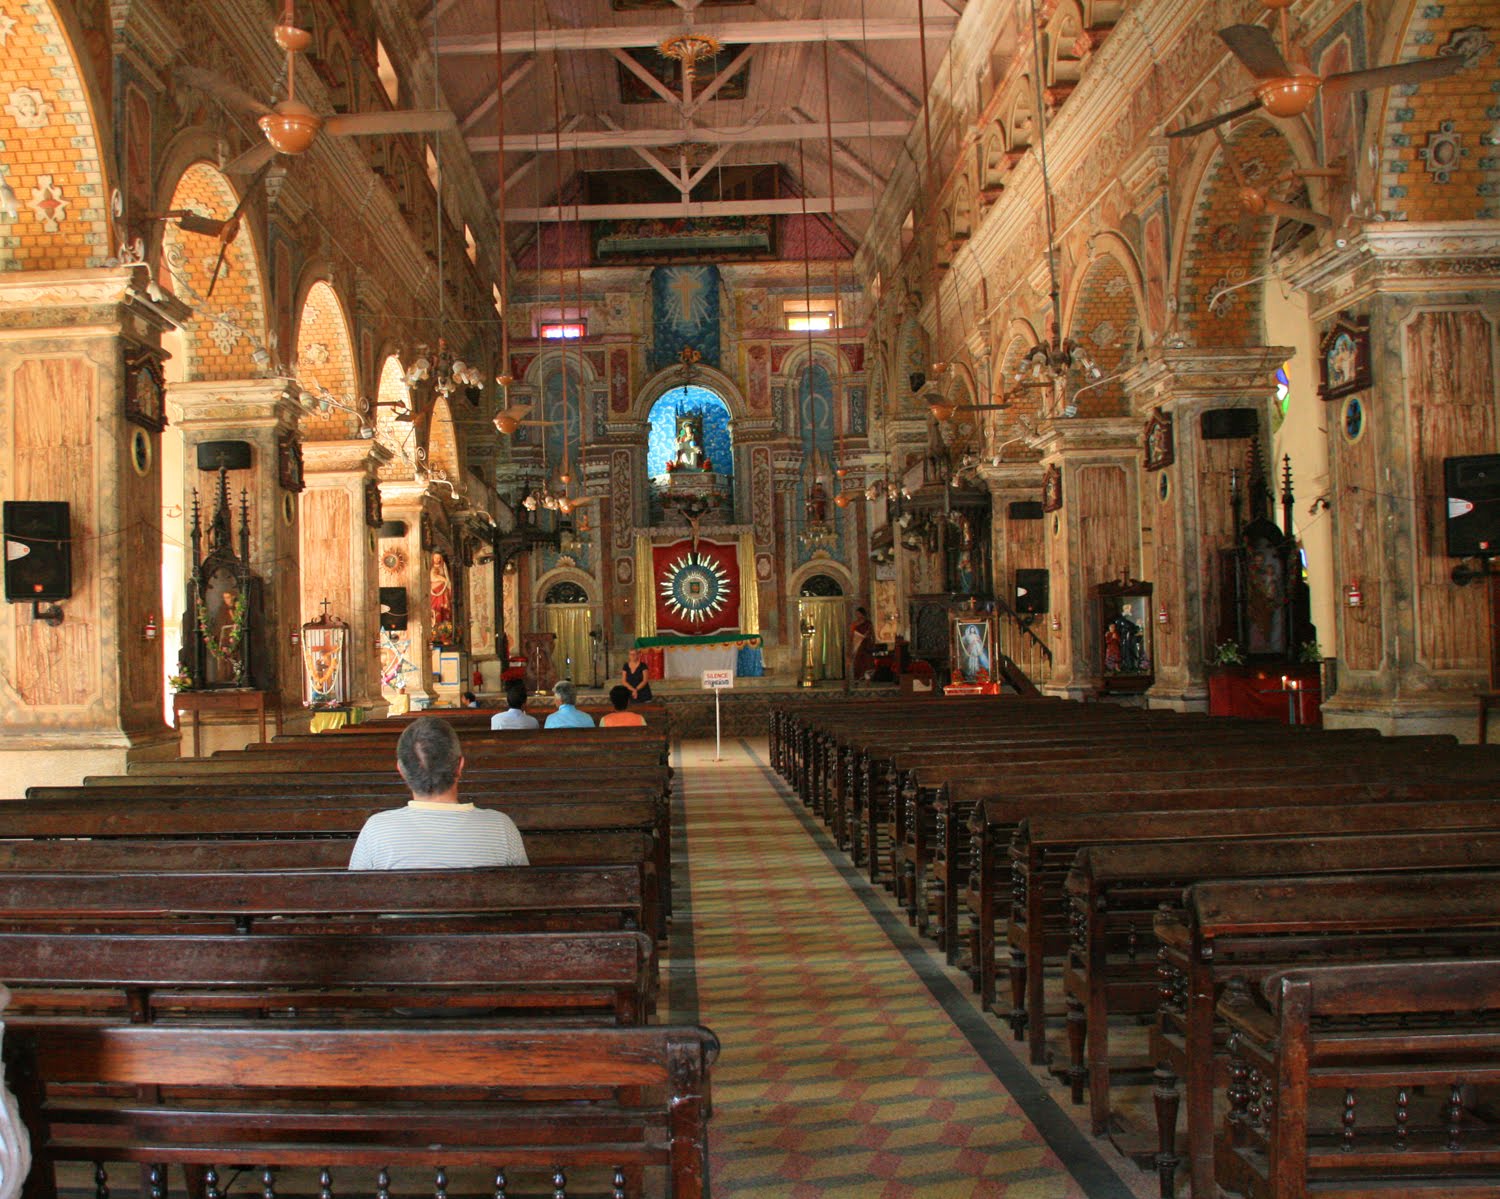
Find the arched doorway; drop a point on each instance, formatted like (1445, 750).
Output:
(822, 605)
(570, 620)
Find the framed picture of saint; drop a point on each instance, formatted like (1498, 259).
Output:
(1159, 446)
(973, 646)
(1344, 359)
(145, 389)
(289, 464)
(1052, 489)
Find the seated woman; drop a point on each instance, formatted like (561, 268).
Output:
(620, 718)
(636, 675)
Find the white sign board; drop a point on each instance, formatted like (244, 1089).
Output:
(717, 680)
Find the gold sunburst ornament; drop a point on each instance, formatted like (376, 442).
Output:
(690, 49)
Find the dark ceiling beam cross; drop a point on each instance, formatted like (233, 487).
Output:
(746, 135)
(656, 85)
(624, 37)
(719, 80)
(791, 206)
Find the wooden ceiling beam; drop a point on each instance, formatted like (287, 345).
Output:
(628, 139)
(487, 105)
(622, 37)
(790, 206)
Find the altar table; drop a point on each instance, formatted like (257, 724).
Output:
(669, 657)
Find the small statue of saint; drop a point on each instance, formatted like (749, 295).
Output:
(440, 588)
(689, 443)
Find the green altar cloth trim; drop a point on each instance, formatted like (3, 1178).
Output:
(679, 642)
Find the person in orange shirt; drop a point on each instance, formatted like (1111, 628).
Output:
(619, 695)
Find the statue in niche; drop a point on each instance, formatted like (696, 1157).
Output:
(689, 454)
(440, 589)
(817, 503)
(226, 644)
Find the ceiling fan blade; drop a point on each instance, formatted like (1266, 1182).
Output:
(1256, 49)
(231, 227)
(1214, 121)
(252, 160)
(222, 90)
(517, 411)
(404, 121)
(549, 424)
(203, 226)
(1306, 215)
(1234, 163)
(1418, 70)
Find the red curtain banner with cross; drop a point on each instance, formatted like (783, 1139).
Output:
(697, 590)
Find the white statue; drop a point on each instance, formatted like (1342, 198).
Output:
(15, 1145)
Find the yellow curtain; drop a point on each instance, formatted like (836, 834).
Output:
(749, 589)
(570, 625)
(645, 590)
(829, 635)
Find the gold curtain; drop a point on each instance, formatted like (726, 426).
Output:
(829, 634)
(645, 589)
(570, 624)
(749, 589)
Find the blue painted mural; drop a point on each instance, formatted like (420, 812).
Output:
(684, 312)
(816, 431)
(561, 402)
(661, 446)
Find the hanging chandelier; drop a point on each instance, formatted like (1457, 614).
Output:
(690, 49)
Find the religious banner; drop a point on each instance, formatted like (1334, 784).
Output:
(684, 312)
(697, 587)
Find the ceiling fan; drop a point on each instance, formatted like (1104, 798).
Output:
(224, 231)
(508, 420)
(1257, 201)
(1285, 83)
(290, 126)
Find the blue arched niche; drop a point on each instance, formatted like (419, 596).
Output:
(661, 447)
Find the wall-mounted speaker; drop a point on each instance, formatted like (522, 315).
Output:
(1032, 592)
(393, 528)
(38, 551)
(231, 455)
(1472, 486)
(1230, 424)
(1026, 510)
(393, 609)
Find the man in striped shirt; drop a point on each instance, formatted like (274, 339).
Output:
(435, 831)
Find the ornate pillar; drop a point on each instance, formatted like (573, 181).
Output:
(262, 413)
(1092, 538)
(340, 548)
(80, 413)
(1185, 506)
(405, 562)
(1412, 654)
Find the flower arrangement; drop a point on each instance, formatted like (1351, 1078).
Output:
(1227, 653)
(1309, 651)
(180, 682)
(224, 643)
(671, 466)
(444, 634)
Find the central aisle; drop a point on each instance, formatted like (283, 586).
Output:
(852, 1064)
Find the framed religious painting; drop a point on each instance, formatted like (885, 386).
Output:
(145, 389)
(289, 464)
(1052, 488)
(372, 504)
(973, 646)
(1344, 359)
(1159, 446)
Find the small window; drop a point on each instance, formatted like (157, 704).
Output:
(432, 168)
(817, 315)
(386, 71)
(499, 299)
(471, 247)
(558, 330)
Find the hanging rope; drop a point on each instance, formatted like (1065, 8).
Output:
(504, 376)
(833, 218)
(938, 364)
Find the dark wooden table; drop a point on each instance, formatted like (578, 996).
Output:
(198, 702)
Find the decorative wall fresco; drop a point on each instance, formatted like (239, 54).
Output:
(684, 312)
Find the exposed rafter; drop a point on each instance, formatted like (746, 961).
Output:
(791, 206)
(728, 32)
(487, 105)
(624, 139)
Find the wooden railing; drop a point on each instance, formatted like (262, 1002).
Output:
(1025, 659)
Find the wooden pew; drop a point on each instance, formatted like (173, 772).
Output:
(596, 976)
(1126, 874)
(426, 1097)
(1252, 928)
(1402, 1121)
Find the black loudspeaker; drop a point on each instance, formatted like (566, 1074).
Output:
(1473, 489)
(1230, 424)
(1026, 510)
(38, 551)
(1032, 588)
(393, 528)
(393, 609)
(231, 455)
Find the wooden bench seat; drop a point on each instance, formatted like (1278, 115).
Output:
(1368, 1078)
(1116, 886)
(292, 1089)
(1253, 928)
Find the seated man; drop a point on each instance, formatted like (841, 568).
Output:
(434, 831)
(567, 715)
(619, 695)
(515, 715)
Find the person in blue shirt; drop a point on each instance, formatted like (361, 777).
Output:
(567, 715)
